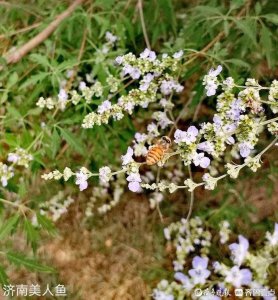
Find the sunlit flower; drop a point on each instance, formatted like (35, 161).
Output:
(127, 158)
(238, 277)
(81, 180)
(239, 250)
(187, 137)
(199, 273)
(199, 159)
(184, 280)
(210, 81)
(273, 238)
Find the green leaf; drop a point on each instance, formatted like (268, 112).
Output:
(273, 18)
(34, 79)
(248, 27)
(168, 11)
(55, 142)
(20, 260)
(3, 276)
(40, 59)
(32, 234)
(72, 140)
(266, 43)
(8, 226)
(46, 224)
(238, 62)
(12, 80)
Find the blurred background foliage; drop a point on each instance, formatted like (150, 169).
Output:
(244, 35)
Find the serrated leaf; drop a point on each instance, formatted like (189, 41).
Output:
(31, 232)
(8, 226)
(238, 62)
(20, 260)
(248, 28)
(266, 42)
(273, 18)
(40, 59)
(55, 142)
(46, 224)
(34, 79)
(72, 140)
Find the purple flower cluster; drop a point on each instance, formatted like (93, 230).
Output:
(188, 137)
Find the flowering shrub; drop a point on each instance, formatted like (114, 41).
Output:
(235, 127)
(116, 102)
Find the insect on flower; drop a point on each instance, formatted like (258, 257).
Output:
(157, 151)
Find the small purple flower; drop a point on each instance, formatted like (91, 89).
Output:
(245, 149)
(104, 174)
(201, 160)
(210, 81)
(199, 273)
(230, 140)
(140, 137)
(133, 72)
(13, 157)
(215, 72)
(236, 108)
(217, 122)
(229, 128)
(152, 129)
(134, 180)
(129, 106)
(119, 60)
(148, 54)
(62, 96)
(82, 85)
(168, 86)
(110, 38)
(104, 106)
(239, 250)
(134, 177)
(145, 82)
(206, 147)
(187, 137)
(238, 277)
(134, 186)
(81, 180)
(163, 120)
(184, 280)
(127, 158)
(178, 54)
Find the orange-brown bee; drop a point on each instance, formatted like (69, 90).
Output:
(157, 151)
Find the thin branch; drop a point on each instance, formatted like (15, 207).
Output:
(218, 37)
(191, 197)
(17, 55)
(157, 204)
(140, 8)
(80, 54)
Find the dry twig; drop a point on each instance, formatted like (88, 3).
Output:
(16, 55)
